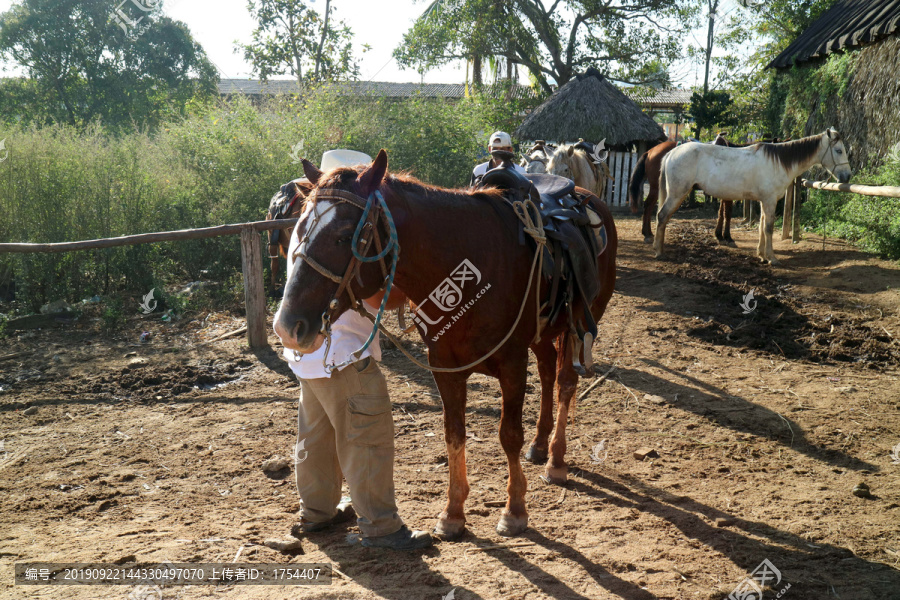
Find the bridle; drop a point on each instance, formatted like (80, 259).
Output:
(366, 235)
(830, 149)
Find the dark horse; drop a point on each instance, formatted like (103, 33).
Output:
(286, 204)
(648, 168)
(459, 249)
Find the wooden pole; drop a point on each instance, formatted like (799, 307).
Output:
(798, 192)
(147, 238)
(865, 190)
(788, 212)
(748, 211)
(254, 296)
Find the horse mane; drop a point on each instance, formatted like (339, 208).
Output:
(790, 154)
(402, 184)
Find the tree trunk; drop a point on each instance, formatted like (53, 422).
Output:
(476, 69)
(322, 39)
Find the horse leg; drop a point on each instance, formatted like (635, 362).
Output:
(649, 207)
(452, 386)
(727, 210)
(514, 519)
(566, 384)
(666, 209)
(720, 222)
(767, 217)
(546, 360)
(273, 275)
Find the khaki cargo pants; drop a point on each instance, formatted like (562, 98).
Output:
(346, 423)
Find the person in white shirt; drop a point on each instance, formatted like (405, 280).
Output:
(500, 147)
(345, 431)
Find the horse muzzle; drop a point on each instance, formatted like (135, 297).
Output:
(296, 334)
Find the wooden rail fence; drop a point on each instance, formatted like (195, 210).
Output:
(251, 260)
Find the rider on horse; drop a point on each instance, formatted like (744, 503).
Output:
(501, 150)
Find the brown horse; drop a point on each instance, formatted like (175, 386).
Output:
(464, 264)
(286, 204)
(647, 168)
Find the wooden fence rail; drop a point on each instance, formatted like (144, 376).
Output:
(251, 260)
(886, 191)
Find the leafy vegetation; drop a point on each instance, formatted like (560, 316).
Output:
(221, 164)
(628, 41)
(88, 62)
(293, 38)
(872, 223)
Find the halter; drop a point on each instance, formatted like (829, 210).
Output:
(361, 242)
(830, 148)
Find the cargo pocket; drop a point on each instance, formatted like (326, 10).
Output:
(371, 423)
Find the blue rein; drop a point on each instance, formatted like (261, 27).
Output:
(393, 247)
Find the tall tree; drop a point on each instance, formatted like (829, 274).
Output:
(293, 38)
(88, 61)
(631, 41)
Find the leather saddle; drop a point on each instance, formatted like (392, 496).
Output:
(572, 251)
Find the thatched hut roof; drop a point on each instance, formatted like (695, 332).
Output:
(592, 108)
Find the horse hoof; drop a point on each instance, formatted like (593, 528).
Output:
(536, 456)
(648, 239)
(556, 475)
(774, 262)
(450, 529)
(510, 526)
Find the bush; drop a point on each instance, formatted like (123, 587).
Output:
(222, 164)
(870, 222)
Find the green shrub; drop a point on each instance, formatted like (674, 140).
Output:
(870, 222)
(222, 164)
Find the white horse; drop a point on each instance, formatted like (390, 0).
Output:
(574, 163)
(536, 159)
(759, 172)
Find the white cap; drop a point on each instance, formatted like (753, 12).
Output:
(500, 139)
(343, 158)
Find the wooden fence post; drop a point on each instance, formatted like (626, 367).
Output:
(254, 296)
(788, 212)
(798, 191)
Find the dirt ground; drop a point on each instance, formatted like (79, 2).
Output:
(764, 423)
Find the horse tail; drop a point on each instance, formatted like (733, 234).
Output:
(636, 183)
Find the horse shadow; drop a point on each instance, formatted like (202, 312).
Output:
(739, 541)
(705, 400)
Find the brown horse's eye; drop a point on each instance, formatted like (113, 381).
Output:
(343, 241)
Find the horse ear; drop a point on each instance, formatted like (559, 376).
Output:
(571, 150)
(311, 171)
(370, 179)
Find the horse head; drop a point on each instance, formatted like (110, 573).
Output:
(834, 156)
(323, 277)
(562, 162)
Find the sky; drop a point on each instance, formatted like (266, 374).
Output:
(217, 24)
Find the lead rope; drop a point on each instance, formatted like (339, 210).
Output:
(392, 247)
(528, 213)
